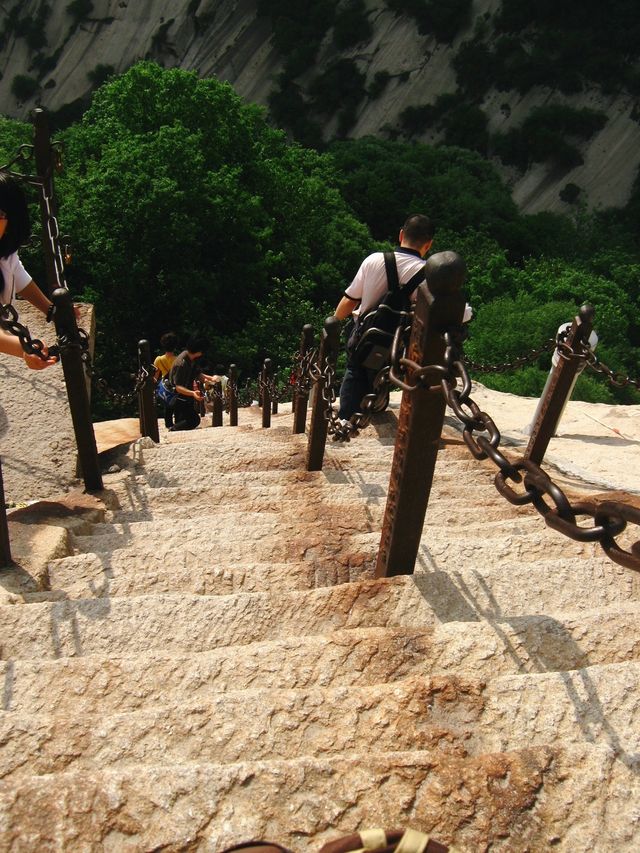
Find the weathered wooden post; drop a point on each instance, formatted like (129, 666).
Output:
(232, 389)
(559, 387)
(440, 305)
(73, 369)
(5, 545)
(265, 386)
(329, 343)
(46, 161)
(301, 393)
(146, 394)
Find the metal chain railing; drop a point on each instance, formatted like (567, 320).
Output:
(610, 517)
(619, 380)
(514, 363)
(120, 398)
(9, 323)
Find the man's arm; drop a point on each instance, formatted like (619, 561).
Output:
(346, 307)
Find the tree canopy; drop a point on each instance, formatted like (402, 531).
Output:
(187, 208)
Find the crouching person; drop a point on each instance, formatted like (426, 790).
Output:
(185, 372)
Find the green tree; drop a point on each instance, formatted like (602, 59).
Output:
(186, 206)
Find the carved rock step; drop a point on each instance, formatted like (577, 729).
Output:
(199, 571)
(447, 714)
(181, 623)
(137, 502)
(501, 587)
(553, 796)
(175, 465)
(105, 684)
(245, 537)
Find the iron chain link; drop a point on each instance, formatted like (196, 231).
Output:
(610, 517)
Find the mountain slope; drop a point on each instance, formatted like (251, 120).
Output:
(59, 58)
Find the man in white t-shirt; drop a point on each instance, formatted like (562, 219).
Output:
(368, 289)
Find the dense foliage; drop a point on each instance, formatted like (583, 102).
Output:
(188, 211)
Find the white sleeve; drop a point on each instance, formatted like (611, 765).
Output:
(355, 289)
(21, 277)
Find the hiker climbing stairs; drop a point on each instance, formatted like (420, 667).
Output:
(217, 662)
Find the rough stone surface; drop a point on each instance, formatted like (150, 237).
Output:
(38, 444)
(189, 680)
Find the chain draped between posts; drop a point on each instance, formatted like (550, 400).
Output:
(610, 517)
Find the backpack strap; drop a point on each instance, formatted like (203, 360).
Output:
(414, 281)
(392, 271)
(392, 275)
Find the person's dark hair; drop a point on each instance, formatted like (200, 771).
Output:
(14, 204)
(169, 342)
(418, 229)
(196, 343)
(219, 369)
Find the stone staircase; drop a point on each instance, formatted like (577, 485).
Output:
(215, 662)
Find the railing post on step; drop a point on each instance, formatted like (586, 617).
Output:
(440, 305)
(45, 158)
(559, 387)
(301, 397)
(274, 406)
(5, 545)
(146, 394)
(233, 395)
(265, 380)
(216, 409)
(329, 343)
(73, 369)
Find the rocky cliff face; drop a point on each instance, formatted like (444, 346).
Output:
(227, 39)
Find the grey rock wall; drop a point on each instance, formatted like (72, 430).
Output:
(235, 45)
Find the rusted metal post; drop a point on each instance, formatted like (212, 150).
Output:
(329, 343)
(233, 395)
(5, 545)
(267, 373)
(301, 396)
(45, 162)
(146, 394)
(559, 387)
(216, 413)
(440, 305)
(73, 369)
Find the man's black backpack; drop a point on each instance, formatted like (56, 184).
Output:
(369, 344)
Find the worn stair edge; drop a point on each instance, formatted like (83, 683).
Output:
(351, 657)
(124, 626)
(447, 714)
(306, 802)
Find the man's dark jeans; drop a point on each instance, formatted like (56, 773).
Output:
(356, 383)
(185, 415)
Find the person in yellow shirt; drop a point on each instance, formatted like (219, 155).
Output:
(163, 364)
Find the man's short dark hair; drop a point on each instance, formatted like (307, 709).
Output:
(418, 229)
(169, 342)
(197, 343)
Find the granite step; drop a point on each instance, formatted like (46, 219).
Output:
(201, 570)
(452, 715)
(109, 683)
(556, 798)
(180, 623)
